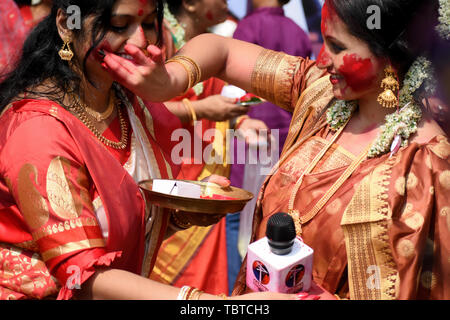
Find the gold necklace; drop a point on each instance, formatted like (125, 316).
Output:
(100, 116)
(301, 220)
(81, 113)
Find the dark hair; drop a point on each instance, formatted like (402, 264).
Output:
(174, 6)
(393, 39)
(40, 60)
(23, 2)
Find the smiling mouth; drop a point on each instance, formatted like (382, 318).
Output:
(335, 78)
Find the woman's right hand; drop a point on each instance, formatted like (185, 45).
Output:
(218, 108)
(146, 76)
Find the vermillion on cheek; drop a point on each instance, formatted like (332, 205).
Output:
(209, 16)
(359, 73)
(323, 59)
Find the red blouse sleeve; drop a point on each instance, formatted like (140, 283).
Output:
(50, 184)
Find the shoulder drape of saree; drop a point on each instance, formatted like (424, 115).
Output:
(397, 227)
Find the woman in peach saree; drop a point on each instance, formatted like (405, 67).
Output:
(364, 174)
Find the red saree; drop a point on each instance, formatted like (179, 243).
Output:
(52, 167)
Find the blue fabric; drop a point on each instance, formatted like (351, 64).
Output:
(233, 257)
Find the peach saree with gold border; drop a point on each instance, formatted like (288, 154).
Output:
(385, 233)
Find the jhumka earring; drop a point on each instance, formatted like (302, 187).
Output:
(388, 98)
(66, 53)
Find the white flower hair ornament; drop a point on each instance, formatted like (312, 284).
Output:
(444, 19)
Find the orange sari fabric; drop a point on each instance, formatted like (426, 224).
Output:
(385, 234)
(51, 169)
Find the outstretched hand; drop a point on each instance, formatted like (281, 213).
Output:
(145, 75)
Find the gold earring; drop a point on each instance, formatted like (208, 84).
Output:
(387, 98)
(66, 53)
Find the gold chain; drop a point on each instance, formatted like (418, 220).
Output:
(101, 116)
(300, 220)
(82, 115)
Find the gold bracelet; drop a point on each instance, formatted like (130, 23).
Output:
(193, 64)
(191, 108)
(192, 69)
(189, 74)
(195, 294)
(189, 113)
(180, 224)
(183, 292)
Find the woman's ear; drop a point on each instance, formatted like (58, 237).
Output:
(190, 6)
(61, 24)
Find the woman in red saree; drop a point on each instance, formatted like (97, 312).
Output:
(366, 184)
(73, 147)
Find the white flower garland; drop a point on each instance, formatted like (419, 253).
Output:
(398, 124)
(179, 35)
(444, 18)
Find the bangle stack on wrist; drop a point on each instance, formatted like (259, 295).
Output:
(189, 293)
(192, 69)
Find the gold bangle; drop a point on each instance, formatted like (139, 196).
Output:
(189, 74)
(183, 292)
(180, 224)
(192, 69)
(189, 113)
(195, 294)
(196, 69)
(189, 105)
(223, 296)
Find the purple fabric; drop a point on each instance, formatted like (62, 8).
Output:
(271, 29)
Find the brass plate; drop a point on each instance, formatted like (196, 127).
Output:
(209, 206)
(249, 103)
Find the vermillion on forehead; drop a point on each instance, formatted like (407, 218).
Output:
(359, 74)
(328, 15)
